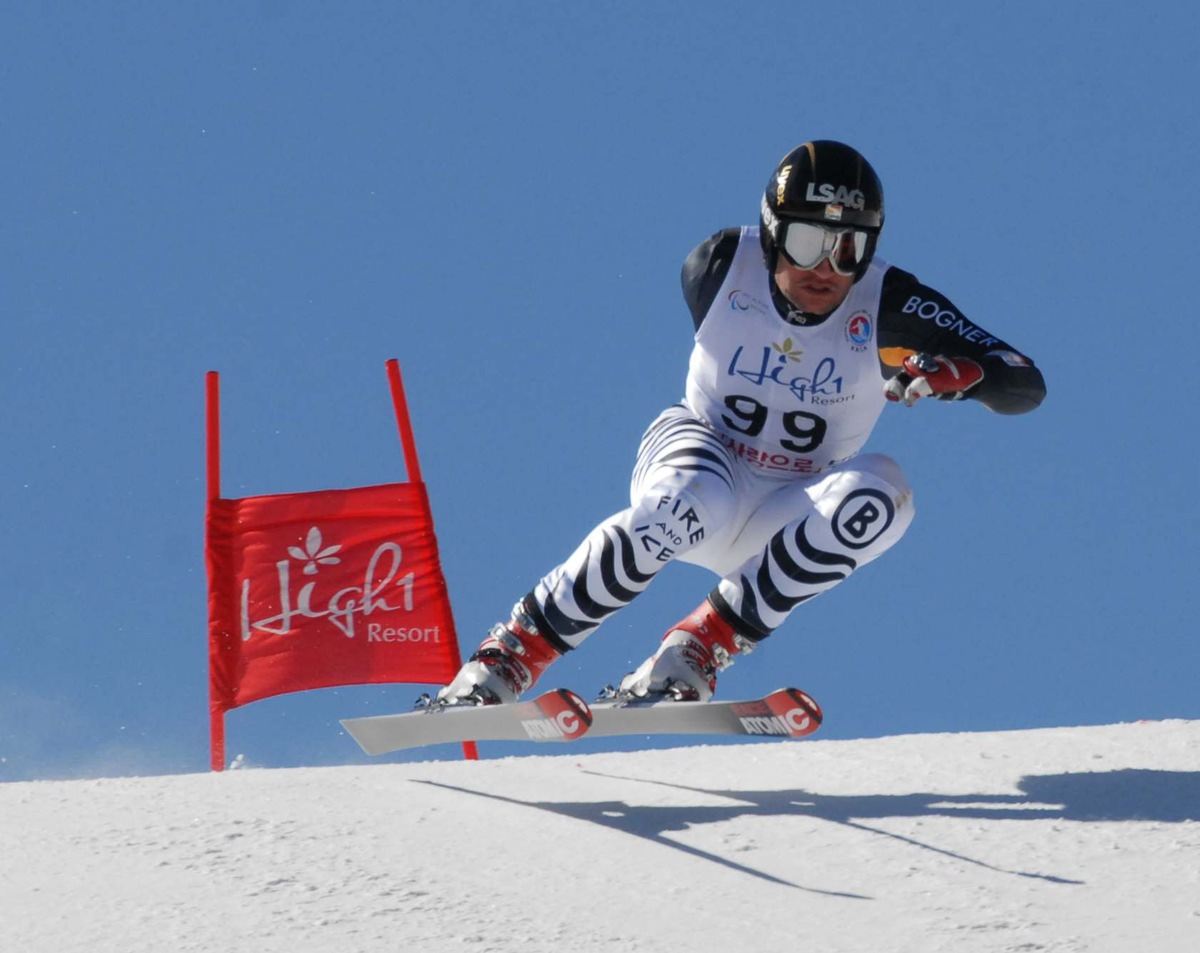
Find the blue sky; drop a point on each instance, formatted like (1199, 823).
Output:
(500, 196)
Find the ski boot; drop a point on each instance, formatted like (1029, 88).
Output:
(506, 664)
(686, 664)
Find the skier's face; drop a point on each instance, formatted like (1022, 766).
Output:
(813, 290)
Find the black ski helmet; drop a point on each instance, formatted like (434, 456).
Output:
(826, 183)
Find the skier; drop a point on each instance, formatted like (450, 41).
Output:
(802, 335)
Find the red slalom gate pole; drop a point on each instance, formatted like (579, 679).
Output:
(213, 458)
(413, 466)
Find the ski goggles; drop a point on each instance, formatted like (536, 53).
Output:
(804, 245)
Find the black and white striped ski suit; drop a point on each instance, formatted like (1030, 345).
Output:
(692, 498)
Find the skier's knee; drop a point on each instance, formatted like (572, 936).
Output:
(865, 509)
(885, 470)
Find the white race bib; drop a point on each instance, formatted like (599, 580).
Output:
(790, 400)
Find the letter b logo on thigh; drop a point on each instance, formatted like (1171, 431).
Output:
(862, 517)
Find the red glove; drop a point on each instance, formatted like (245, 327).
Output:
(946, 378)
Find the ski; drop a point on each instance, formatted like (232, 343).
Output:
(558, 715)
(785, 713)
(561, 715)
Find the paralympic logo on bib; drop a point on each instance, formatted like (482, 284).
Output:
(744, 301)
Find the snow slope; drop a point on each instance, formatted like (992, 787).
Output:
(1071, 839)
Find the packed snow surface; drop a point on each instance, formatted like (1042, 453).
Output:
(1069, 839)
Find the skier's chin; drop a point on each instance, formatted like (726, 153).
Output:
(817, 298)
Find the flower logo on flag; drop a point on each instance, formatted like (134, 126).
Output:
(313, 553)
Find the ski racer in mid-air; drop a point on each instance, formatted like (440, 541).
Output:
(803, 334)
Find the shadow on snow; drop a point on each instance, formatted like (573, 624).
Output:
(1129, 795)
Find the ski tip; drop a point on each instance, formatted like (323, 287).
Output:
(797, 709)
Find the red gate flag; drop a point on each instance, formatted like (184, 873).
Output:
(314, 590)
(339, 587)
